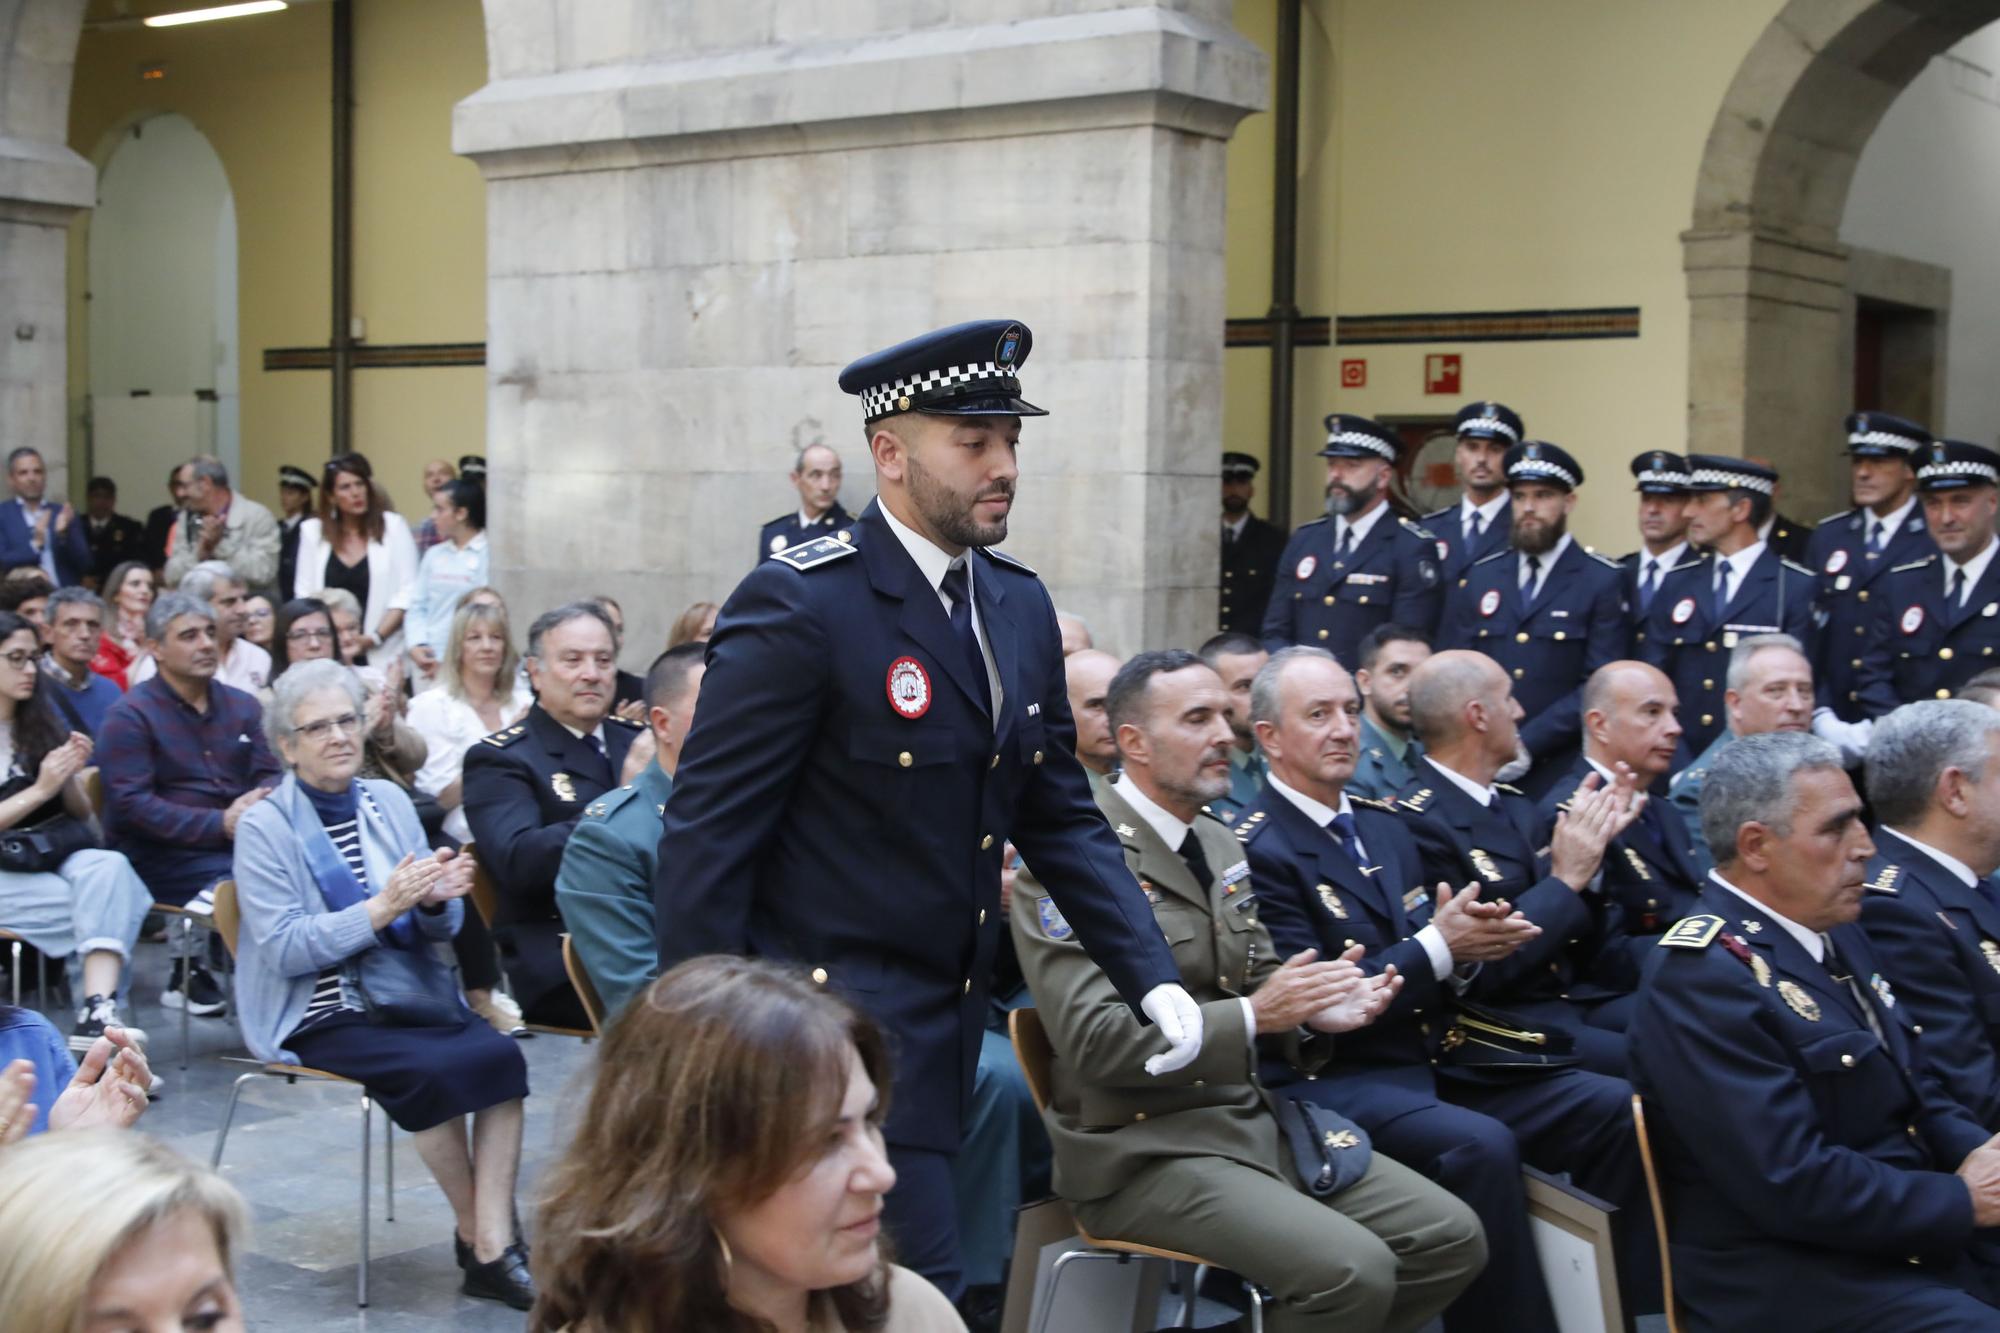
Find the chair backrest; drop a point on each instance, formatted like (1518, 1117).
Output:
(1032, 1049)
(1659, 1210)
(228, 918)
(485, 900)
(586, 989)
(93, 789)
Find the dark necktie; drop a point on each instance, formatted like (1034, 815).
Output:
(1197, 861)
(1875, 531)
(1957, 593)
(1529, 577)
(1843, 976)
(1346, 544)
(1478, 524)
(1721, 588)
(1342, 828)
(1649, 583)
(1228, 535)
(956, 586)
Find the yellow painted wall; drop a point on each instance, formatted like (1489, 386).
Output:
(260, 90)
(1460, 155)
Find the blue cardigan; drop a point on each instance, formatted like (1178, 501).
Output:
(288, 935)
(26, 1035)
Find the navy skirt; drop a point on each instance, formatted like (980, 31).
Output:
(421, 1076)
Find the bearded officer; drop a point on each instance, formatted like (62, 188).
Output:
(1360, 566)
(1477, 525)
(879, 718)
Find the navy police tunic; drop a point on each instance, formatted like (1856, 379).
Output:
(1324, 601)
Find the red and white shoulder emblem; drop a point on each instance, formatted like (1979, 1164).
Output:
(1913, 620)
(1489, 602)
(909, 687)
(1306, 567)
(1684, 610)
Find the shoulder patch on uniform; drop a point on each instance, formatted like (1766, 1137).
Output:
(1489, 559)
(1795, 566)
(625, 722)
(1914, 564)
(811, 555)
(1693, 932)
(1370, 802)
(1885, 880)
(1248, 829)
(1602, 559)
(1002, 558)
(1675, 780)
(506, 736)
(1416, 800)
(1212, 815)
(1417, 528)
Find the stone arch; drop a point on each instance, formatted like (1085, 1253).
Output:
(1766, 271)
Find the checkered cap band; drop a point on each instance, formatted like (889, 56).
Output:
(1882, 439)
(1541, 467)
(1493, 425)
(1380, 447)
(1979, 471)
(884, 399)
(1650, 478)
(1711, 476)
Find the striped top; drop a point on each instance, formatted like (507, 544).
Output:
(325, 1000)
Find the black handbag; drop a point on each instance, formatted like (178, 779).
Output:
(43, 848)
(1329, 1151)
(405, 988)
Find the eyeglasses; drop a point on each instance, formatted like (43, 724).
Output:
(20, 660)
(260, 613)
(308, 635)
(319, 732)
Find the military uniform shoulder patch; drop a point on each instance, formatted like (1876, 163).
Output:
(1369, 802)
(1418, 528)
(1489, 559)
(811, 555)
(1693, 932)
(1885, 880)
(1914, 564)
(506, 736)
(1002, 558)
(1416, 800)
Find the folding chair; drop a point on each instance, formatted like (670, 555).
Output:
(586, 989)
(14, 943)
(486, 901)
(1659, 1200)
(227, 922)
(1032, 1049)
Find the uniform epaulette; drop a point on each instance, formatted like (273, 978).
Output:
(1914, 564)
(1417, 528)
(1675, 780)
(609, 802)
(1510, 790)
(1436, 513)
(1416, 801)
(1834, 518)
(1692, 562)
(1885, 880)
(1693, 932)
(1001, 557)
(625, 722)
(506, 736)
(1795, 565)
(1488, 559)
(1370, 802)
(1248, 829)
(1602, 559)
(811, 555)
(1205, 810)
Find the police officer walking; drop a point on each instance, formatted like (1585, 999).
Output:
(1250, 549)
(1362, 565)
(1477, 525)
(880, 717)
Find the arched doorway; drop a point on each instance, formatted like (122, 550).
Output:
(1767, 274)
(162, 308)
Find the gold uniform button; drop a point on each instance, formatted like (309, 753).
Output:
(1708, 684)
(1328, 600)
(1224, 981)
(968, 985)
(1038, 756)
(1707, 720)
(1917, 1028)
(986, 842)
(1863, 594)
(1855, 663)
(1944, 694)
(1522, 637)
(819, 975)
(1847, 1062)
(1363, 599)
(1201, 1083)
(1944, 654)
(995, 763)
(1520, 672)
(982, 916)
(1138, 1115)
(1322, 634)
(904, 759)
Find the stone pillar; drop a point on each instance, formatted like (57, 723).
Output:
(42, 186)
(686, 245)
(1769, 372)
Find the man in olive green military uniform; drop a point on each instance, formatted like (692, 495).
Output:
(1194, 1160)
(604, 890)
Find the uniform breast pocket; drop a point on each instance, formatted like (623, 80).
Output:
(1848, 1077)
(893, 762)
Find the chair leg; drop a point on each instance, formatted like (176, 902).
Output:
(389, 1163)
(1256, 1307)
(187, 984)
(1048, 1306)
(228, 1115)
(41, 981)
(1191, 1294)
(367, 1122)
(16, 974)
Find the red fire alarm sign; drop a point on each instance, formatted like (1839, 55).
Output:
(1354, 374)
(1441, 372)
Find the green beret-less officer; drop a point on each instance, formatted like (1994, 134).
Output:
(605, 887)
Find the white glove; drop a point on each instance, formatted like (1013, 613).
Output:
(1178, 1018)
(1851, 737)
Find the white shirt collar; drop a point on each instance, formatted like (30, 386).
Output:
(1892, 524)
(1171, 829)
(1974, 568)
(1489, 511)
(1666, 562)
(597, 731)
(932, 562)
(1811, 941)
(1361, 524)
(808, 521)
(1548, 559)
(1319, 812)
(1739, 564)
(1483, 795)
(1236, 528)
(1945, 859)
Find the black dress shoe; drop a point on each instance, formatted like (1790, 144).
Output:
(506, 1279)
(463, 1252)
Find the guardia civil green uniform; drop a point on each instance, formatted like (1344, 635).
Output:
(605, 887)
(1192, 1160)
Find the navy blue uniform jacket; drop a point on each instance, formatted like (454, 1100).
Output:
(813, 821)
(1460, 553)
(1332, 604)
(72, 547)
(1849, 579)
(1919, 646)
(1805, 1162)
(786, 531)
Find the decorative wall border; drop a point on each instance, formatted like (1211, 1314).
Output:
(369, 356)
(1471, 326)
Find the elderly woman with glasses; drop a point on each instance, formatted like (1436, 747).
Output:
(343, 905)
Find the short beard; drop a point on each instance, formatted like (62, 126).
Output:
(950, 513)
(1196, 790)
(1234, 504)
(1341, 502)
(1537, 541)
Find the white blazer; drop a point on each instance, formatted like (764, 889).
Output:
(392, 567)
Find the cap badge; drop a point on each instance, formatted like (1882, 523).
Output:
(1532, 451)
(909, 687)
(1659, 463)
(1489, 602)
(1913, 620)
(1684, 610)
(1009, 346)
(1837, 561)
(1306, 568)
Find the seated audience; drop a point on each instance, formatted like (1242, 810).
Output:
(1087, 675)
(26, 594)
(1816, 1175)
(694, 625)
(1931, 911)
(526, 786)
(454, 565)
(629, 700)
(110, 1232)
(75, 624)
(1768, 687)
(71, 899)
(361, 545)
(1387, 747)
(224, 525)
(128, 593)
(334, 878)
(604, 890)
(42, 1085)
(482, 693)
(182, 758)
(350, 645)
(1237, 658)
(1193, 1159)
(259, 617)
(728, 1171)
(245, 666)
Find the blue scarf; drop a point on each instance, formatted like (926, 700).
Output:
(337, 884)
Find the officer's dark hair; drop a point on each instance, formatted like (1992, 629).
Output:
(101, 486)
(1375, 640)
(24, 451)
(667, 678)
(469, 496)
(1760, 503)
(1983, 688)
(1229, 643)
(561, 616)
(1125, 698)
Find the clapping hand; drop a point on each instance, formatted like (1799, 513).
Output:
(1596, 816)
(1366, 999)
(109, 1088)
(1479, 932)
